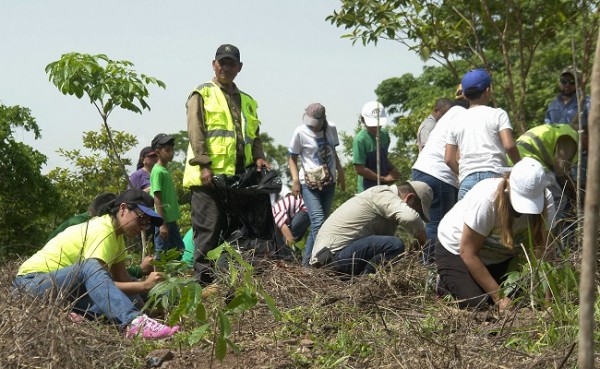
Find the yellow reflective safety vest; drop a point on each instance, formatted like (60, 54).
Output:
(220, 133)
(539, 143)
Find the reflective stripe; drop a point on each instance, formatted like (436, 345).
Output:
(541, 149)
(220, 133)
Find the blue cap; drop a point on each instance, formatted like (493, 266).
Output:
(155, 219)
(478, 79)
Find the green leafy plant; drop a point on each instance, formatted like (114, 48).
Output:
(107, 83)
(181, 296)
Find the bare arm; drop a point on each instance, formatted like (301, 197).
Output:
(293, 164)
(341, 179)
(509, 145)
(158, 204)
(372, 176)
(123, 280)
(287, 234)
(470, 245)
(450, 157)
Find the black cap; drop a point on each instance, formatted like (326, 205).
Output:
(143, 201)
(228, 51)
(162, 139)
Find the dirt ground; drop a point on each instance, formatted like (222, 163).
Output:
(387, 320)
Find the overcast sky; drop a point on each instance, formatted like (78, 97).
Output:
(292, 57)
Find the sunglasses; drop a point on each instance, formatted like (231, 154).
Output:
(143, 220)
(567, 81)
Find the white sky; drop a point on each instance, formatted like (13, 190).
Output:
(292, 57)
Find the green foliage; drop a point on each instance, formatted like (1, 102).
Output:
(277, 155)
(506, 38)
(181, 297)
(27, 198)
(86, 176)
(107, 83)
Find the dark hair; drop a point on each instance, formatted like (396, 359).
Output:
(442, 103)
(473, 93)
(101, 204)
(461, 102)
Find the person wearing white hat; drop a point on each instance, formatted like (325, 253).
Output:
(478, 238)
(364, 149)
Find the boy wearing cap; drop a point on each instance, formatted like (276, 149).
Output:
(481, 234)
(364, 149)
(360, 234)
(482, 135)
(85, 264)
(223, 128)
(167, 236)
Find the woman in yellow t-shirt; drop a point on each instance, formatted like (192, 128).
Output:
(86, 264)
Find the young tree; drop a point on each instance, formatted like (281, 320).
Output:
(107, 83)
(27, 198)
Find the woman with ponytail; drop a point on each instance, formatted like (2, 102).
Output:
(478, 238)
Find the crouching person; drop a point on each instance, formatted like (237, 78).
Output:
(478, 238)
(360, 234)
(86, 265)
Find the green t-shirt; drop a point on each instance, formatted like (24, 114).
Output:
(161, 181)
(95, 239)
(364, 152)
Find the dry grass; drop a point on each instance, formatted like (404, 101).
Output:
(383, 321)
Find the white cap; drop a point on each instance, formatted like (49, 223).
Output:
(371, 111)
(527, 186)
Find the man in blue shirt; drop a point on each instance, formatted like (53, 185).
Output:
(563, 109)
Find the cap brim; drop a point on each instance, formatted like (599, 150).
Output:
(313, 122)
(372, 122)
(226, 55)
(526, 205)
(155, 219)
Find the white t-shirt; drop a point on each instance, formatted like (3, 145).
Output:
(477, 210)
(431, 158)
(306, 144)
(476, 132)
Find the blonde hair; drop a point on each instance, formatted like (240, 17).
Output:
(504, 207)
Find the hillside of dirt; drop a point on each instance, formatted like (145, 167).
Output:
(386, 320)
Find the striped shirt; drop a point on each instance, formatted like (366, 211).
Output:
(286, 209)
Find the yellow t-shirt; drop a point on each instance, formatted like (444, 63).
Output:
(95, 239)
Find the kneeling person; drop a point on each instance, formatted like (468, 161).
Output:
(360, 234)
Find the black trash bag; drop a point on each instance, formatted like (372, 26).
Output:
(250, 224)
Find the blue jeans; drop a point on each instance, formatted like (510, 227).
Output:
(472, 179)
(444, 198)
(173, 241)
(318, 203)
(88, 284)
(363, 255)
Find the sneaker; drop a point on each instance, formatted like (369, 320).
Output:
(149, 328)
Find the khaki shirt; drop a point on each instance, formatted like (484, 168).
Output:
(378, 211)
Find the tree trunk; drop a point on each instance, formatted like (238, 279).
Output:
(587, 286)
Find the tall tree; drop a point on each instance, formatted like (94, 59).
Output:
(107, 83)
(27, 198)
(502, 36)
